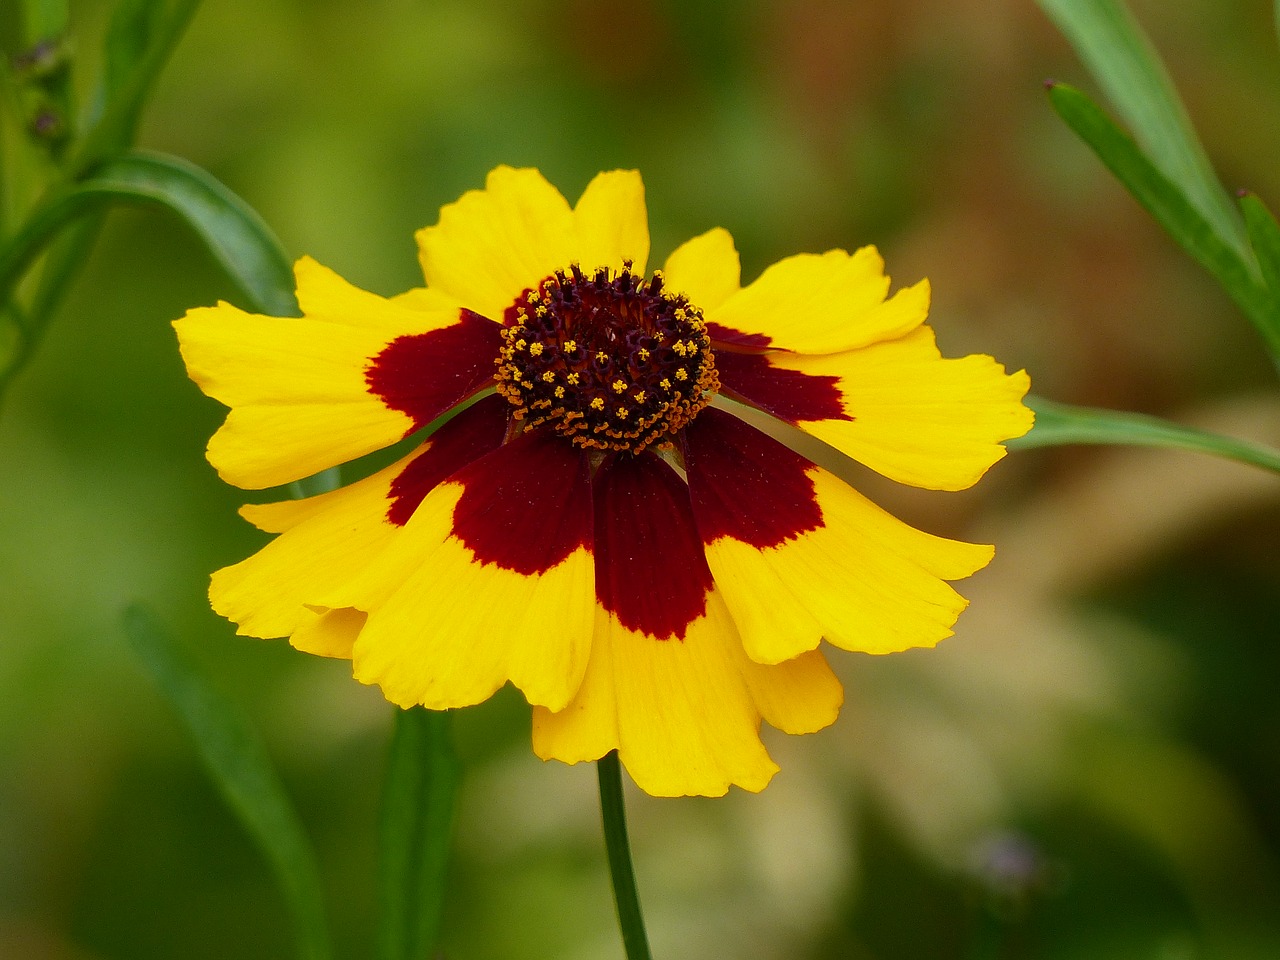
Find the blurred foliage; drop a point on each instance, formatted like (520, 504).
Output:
(1089, 769)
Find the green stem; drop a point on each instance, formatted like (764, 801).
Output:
(614, 814)
(1059, 423)
(417, 823)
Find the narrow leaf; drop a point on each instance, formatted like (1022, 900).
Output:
(1125, 64)
(233, 232)
(239, 765)
(1264, 237)
(414, 834)
(1058, 424)
(1166, 202)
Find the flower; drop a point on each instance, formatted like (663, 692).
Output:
(594, 523)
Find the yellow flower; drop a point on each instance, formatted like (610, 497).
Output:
(656, 578)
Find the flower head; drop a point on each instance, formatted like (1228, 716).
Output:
(594, 523)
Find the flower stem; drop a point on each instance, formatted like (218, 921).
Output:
(415, 830)
(614, 814)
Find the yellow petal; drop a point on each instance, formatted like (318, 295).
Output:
(863, 579)
(705, 269)
(325, 296)
(330, 633)
(915, 417)
(684, 715)
(612, 222)
(297, 389)
(813, 303)
(798, 554)
(329, 539)
(799, 696)
(494, 243)
(455, 629)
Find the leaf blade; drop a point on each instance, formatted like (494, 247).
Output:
(239, 766)
(1059, 424)
(1126, 65)
(232, 230)
(1165, 201)
(1264, 238)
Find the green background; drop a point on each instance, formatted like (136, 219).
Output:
(1089, 769)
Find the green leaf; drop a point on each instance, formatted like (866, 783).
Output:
(1264, 237)
(1163, 199)
(1058, 424)
(1127, 67)
(414, 834)
(43, 20)
(233, 232)
(239, 765)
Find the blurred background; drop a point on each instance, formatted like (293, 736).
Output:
(1089, 769)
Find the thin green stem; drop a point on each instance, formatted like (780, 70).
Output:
(614, 814)
(415, 834)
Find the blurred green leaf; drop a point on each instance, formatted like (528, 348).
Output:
(1059, 424)
(233, 232)
(1264, 237)
(142, 35)
(1166, 202)
(239, 765)
(43, 20)
(1125, 64)
(414, 834)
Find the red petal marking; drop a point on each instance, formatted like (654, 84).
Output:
(650, 569)
(787, 394)
(469, 436)
(745, 484)
(425, 374)
(527, 505)
(721, 334)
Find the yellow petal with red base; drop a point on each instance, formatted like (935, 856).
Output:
(705, 269)
(490, 580)
(800, 555)
(311, 392)
(492, 244)
(611, 223)
(684, 715)
(297, 391)
(668, 684)
(327, 541)
(820, 303)
(919, 418)
(899, 407)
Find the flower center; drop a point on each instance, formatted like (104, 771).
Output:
(611, 361)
